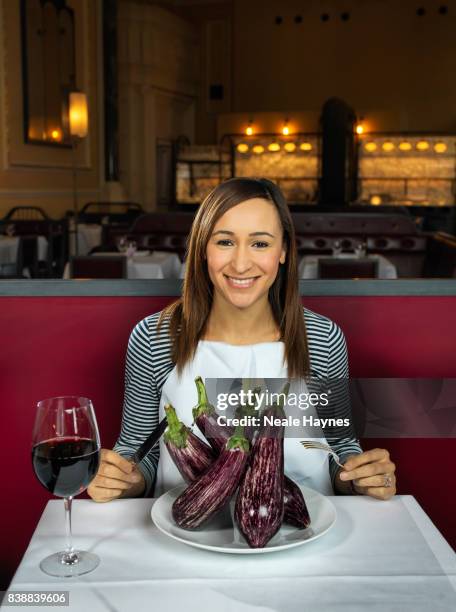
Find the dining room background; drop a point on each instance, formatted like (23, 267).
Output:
(199, 70)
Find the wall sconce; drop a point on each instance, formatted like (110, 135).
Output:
(286, 128)
(388, 146)
(289, 147)
(79, 116)
(359, 128)
(79, 127)
(440, 147)
(249, 128)
(422, 145)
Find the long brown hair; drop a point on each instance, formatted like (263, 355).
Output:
(188, 315)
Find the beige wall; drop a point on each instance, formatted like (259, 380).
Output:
(41, 175)
(158, 86)
(393, 67)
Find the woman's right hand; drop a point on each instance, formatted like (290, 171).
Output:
(116, 477)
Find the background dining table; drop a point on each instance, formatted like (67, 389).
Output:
(9, 249)
(379, 555)
(144, 264)
(308, 266)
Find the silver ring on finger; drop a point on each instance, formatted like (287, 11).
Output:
(387, 480)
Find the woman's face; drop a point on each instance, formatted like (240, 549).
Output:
(244, 252)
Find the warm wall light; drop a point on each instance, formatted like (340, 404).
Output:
(274, 147)
(359, 128)
(286, 128)
(388, 146)
(249, 128)
(258, 149)
(405, 146)
(376, 200)
(370, 147)
(422, 145)
(440, 147)
(79, 116)
(289, 147)
(242, 147)
(305, 146)
(56, 135)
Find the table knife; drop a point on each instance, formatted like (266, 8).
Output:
(149, 442)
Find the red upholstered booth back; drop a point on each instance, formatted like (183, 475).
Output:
(76, 345)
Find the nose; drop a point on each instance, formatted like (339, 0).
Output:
(241, 261)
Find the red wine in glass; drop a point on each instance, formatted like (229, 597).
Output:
(65, 459)
(65, 466)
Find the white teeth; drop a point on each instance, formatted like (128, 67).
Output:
(241, 283)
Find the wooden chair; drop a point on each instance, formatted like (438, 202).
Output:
(333, 267)
(98, 267)
(115, 212)
(25, 213)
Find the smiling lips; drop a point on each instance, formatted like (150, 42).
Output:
(243, 283)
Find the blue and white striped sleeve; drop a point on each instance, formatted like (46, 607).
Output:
(346, 443)
(141, 403)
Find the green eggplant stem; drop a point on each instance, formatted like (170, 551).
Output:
(176, 432)
(238, 440)
(203, 407)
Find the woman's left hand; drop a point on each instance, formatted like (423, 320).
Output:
(369, 472)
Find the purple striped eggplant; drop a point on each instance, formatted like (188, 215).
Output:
(249, 410)
(295, 509)
(202, 499)
(191, 455)
(259, 507)
(205, 417)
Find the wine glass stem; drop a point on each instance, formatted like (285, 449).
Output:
(69, 557)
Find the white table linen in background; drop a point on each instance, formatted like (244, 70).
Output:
(308, 266)
(155, 265)
(381, 556)
(89, 237)
(8, 249)
(9, 246)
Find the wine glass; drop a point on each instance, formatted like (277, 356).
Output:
(65, 457)
(360, 250)
(336, 248)
(10, 229)
(132, 247)
(122, 243)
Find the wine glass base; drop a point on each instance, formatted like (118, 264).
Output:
(55, 566)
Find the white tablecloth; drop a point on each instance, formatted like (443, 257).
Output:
(381, 556)
(9, 247)
(308, 266)
(89, 237)
(156, 265)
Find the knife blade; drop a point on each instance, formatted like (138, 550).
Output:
(149, 442)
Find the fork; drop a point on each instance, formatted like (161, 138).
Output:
(324, 447)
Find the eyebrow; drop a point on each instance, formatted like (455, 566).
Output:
(251, 234)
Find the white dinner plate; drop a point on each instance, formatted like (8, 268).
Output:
(222, 535)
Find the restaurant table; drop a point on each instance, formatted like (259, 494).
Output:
(308, 266)
(156, 265)
(379, 555)
(9, 247)
(89, 237)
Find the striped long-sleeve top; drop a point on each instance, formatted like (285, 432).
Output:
(149, 363)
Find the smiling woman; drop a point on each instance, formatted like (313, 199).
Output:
(240, 316)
